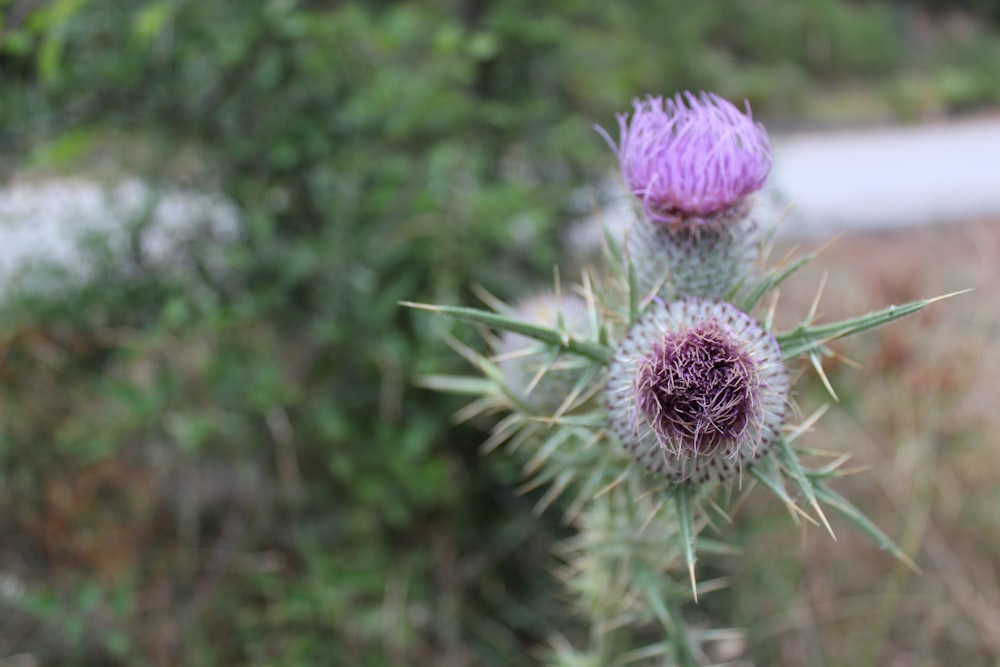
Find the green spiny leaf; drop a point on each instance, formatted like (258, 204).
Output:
(457, 384)
(633, 294)
(669, 615)
(766, 473)
(790, 460)
(861, 522)
(613, 253)
(595, 351)
(771, 280)
(684, 510)
(805, 339)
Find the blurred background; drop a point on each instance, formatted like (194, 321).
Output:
(212, 449)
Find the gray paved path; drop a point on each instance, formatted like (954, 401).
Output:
(885, 178)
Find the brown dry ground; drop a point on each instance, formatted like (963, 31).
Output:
(922, 417)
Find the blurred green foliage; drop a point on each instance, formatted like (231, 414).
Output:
(234, 467)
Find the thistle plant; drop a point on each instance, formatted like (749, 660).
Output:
(651, 395)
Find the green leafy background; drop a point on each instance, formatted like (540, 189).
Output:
(235, 467)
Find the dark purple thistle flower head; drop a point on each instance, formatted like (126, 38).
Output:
(691, 158)
(697, 389)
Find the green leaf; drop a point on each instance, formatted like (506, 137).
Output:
(803, 339)
(58, 16)
(457, 384)
(766, 473)
(594, 351)
(668, 613)
(862, 523)
(790, 460)
(771, 280)
(633, 295)
(65, 148)
(687, 533)
(151, 20)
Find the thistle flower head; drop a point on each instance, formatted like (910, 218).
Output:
(697, 388)
(526, 365)
(691, 158)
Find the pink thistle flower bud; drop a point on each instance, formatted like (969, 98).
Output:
(697, 388)
(691, 158)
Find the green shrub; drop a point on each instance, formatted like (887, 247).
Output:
(259, 432)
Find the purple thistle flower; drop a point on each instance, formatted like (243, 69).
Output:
(697, 388)
(691, 158)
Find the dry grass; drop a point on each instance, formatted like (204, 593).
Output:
(921, 416)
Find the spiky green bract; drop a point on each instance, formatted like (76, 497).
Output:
(679, 260)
